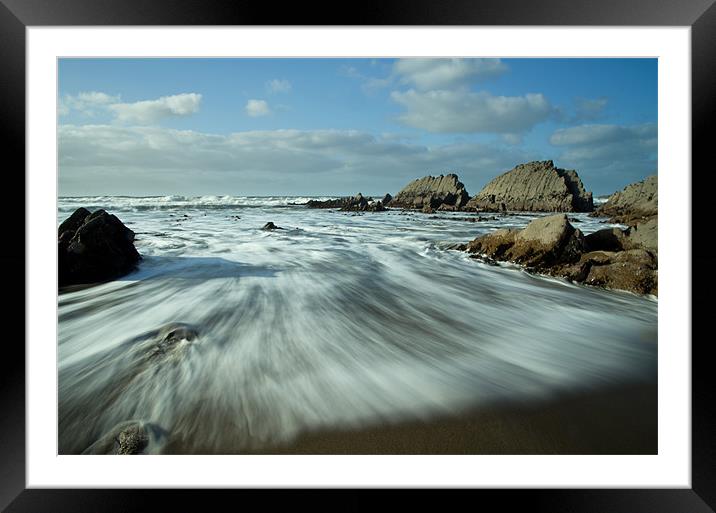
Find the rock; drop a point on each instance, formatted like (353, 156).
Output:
(131, 437)
(545, 242)
(633, 270)
(270, 226)
(636, 202)
(608, 239)
(534, 187)
(551, 245)
(93, 248)
(386, 199)
(72, 223)
(357, 203)
(641, 236)
(170, 341)
(644, 235)
(432, 192)
(331, 203)
(493, 245)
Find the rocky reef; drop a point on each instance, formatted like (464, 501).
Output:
(610, 258)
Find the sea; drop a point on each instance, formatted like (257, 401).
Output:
(339, 320)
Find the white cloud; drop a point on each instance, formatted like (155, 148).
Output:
(153, 160)
(150, 111)
(85, 102)
(463, 111)
(256, 108)
(278, 86)
(428, 74)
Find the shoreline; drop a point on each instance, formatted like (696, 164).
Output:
(616, 420)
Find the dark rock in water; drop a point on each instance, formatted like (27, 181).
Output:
(360, 203)
(608, 239)
(131, 437)
(270, 226)
(386, 199)
(432, 192)
(93, 248)
(72, 223)
(608, 258)
(637, 202)
(357, 203)
(534, 187)
(166, 340)
(331, 203)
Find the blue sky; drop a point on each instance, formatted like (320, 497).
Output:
(340, 126)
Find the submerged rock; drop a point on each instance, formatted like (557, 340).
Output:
(432, 192)
(270, 226)
(637, 202)
(534, 187)
(131, 437)
(610, 258)
(94, 247)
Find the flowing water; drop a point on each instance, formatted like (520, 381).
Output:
(229, 338)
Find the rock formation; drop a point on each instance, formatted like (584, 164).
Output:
(357, 203)
(360, 203)
(444, 192)
(610, 258)
(94, 247)
(534, 187)
(636, 202)
(270, 227)
(544, 243)
(131, 437)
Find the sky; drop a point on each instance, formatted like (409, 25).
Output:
(144, 127)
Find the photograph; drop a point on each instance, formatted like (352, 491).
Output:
(357, 256)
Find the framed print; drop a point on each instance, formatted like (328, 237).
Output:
(419, 251)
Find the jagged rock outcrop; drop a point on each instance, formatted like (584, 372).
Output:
(534, 187)
(444, 192)
(360, 203)
(330, 203)
(637, 202)
(94, 247)
(610, 258)
(357, 203)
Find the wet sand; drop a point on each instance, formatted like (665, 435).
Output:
(618, 420)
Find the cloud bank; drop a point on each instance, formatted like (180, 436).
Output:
(98, 159)
(463, 111)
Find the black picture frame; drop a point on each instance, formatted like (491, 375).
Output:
(16, 15)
